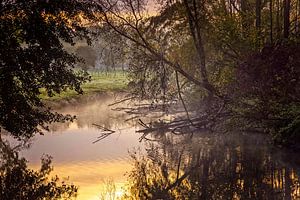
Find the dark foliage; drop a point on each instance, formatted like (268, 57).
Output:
(272, 74)
(32, 57)
(269, 90)
(18, 182)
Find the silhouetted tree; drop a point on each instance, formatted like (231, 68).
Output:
(32, 57)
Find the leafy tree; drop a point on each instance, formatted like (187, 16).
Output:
(202, 47)
(32, 57)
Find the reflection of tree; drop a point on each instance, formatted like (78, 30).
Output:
(18, 182)
(211, 167)
(109, 190)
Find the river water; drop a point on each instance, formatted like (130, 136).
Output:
(205, 166)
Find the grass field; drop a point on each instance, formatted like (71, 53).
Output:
(101, 82)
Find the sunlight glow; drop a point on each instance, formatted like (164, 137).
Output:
(104, 176)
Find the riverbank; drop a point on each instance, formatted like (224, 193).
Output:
(101, 82)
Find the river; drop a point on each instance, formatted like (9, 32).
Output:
(205, 166)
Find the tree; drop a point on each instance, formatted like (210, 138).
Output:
(286, 18)
(112, 50)
(202, 47)
(137, 29)
(268, 92)
(32, 57)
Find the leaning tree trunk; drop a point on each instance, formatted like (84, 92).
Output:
(193, 10)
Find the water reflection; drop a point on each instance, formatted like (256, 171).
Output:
(92, 110)
(88, 166)
(18, 181)
(208, 166)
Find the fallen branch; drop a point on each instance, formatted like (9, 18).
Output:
(121, 101)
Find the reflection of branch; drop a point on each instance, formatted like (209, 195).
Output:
(178, 166)
(103, 128)
(234, 6)
(144, 137)
(179, 180)
(185, 175)
(104, 134)
(131, 118)
(143, 124)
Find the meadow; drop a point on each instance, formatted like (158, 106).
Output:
(101, 81)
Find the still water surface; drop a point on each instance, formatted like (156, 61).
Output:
(88, 165)
(208, 166)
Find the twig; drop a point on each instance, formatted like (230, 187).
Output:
(103, 128)
(121, 101)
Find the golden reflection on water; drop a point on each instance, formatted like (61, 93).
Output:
(92, 176)
(91, 167)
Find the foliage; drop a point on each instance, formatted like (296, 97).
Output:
(17, 181)
(112, 49)
(149, 78)
(235, 59)
(32, 57)
(206, 49)
(270, 80)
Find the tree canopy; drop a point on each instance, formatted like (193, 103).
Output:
(32, 57)
(210, 53)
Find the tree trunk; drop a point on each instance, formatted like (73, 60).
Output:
(286, 18)
(258, 21)
(278, 14)
(297, 14)
(244, 10)
(271, 21)
(258, 14)
(194, 23)
(287, 184)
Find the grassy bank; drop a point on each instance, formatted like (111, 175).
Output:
(101, 82)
